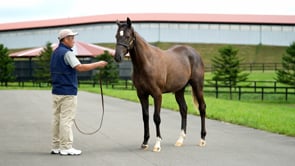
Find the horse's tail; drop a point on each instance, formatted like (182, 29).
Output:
(195, 101)
(197, 78)
(197, 91)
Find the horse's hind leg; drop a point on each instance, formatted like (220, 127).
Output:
(179, 96)
(197, 88)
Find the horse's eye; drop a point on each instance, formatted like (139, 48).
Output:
(126, 38)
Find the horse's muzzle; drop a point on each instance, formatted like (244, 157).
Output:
(118, 57)
(120, 53)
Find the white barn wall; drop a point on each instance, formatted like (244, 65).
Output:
(281, 35)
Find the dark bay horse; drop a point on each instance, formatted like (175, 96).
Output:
(156, 71)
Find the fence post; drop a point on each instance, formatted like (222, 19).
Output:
(286, 94)
(93, 83)
(240, 93)
(262, 93)
(230, 92)
(216, 89)
(21, 83)
(275, 87)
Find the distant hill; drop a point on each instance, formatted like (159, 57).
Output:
(250, 53)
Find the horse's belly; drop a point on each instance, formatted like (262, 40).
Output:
(176, 79)
(174, 86)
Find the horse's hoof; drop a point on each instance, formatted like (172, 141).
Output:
(157, 149)
(202, 143)
(144, 146)
(181, 138)
(178, 144)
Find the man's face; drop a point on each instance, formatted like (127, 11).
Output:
(69, 41)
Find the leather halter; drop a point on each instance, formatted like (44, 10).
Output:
(127, 45)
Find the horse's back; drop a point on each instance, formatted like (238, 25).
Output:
(186, 52)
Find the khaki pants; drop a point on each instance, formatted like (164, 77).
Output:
(64, 110)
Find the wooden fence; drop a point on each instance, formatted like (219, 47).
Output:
(258, 88)
(262, 89)
(240, 91)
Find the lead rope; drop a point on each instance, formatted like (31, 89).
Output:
(102, 105)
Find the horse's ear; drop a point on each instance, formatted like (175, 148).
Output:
(118, 22)
(128, 22)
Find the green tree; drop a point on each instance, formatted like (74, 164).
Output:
(226, 67)
(6, 66)
(109, 72)
(287, 73)
(42, 72)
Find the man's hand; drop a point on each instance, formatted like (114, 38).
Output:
(102, 64)
(91, 66)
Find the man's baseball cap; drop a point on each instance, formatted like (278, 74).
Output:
(66, 32)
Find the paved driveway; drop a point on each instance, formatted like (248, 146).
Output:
(25, 133)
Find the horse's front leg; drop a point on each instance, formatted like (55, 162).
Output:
(157, 121)
(145, 116)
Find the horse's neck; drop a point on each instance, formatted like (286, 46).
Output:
(140, 54)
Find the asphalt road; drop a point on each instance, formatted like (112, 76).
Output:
(25, 134)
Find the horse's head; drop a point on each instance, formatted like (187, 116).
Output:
(125, 39)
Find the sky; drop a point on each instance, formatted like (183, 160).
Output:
(29, 10)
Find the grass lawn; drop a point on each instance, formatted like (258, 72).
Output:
(253, 76)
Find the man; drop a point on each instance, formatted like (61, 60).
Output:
(64, 66)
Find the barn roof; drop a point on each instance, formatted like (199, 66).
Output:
(81, 49)
(154, 17)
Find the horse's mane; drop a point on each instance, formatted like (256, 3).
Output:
(139, 38)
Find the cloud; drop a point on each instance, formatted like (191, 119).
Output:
(20, 10)
(15, 4)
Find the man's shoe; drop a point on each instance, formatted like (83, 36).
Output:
(55, 151)
(71, 151)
